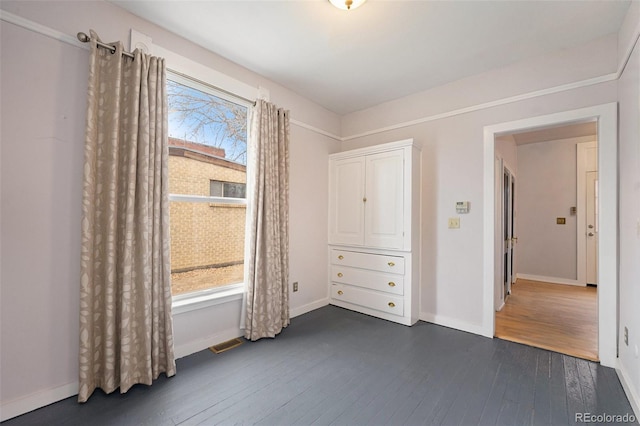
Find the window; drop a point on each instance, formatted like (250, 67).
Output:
(207, 186)
(227, 189)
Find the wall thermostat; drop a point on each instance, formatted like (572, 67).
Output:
(462, 207)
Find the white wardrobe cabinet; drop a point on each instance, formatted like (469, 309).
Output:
(367, 200)
(374, 230)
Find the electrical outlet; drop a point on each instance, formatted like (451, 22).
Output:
(295, 286)
(626, 336)
(454, 222)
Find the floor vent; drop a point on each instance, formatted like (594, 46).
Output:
(225, 346)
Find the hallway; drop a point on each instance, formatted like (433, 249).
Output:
(559, 318)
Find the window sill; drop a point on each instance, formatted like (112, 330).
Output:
(228, 206)
(207, 298)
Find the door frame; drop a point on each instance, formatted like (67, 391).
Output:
(505, 168)
(607, 117)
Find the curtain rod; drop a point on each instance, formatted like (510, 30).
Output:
(83, 37)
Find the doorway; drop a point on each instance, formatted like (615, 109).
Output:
(546, 307)
(606, 116)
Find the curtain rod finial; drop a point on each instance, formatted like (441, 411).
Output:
(83, 37)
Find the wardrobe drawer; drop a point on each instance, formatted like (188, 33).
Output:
(379, 301)
(374, 280)
(376, 262)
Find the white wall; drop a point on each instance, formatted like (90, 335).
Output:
(43, 116)
(547, 190)
(629, 155)
(507, 150)
(595, 60)
(452, 147)
(41, 154)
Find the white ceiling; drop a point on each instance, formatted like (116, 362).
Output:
(348, 61)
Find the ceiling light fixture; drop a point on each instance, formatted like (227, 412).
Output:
(346, 4)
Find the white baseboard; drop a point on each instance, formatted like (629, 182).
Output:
(301, 310)
(206, 342)
(629, 390)
(22, 405)
(25, 404)
(553, 280)
(454, 323)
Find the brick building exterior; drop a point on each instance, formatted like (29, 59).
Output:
(204, 235)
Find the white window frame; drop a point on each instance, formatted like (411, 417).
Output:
(186, 71)
(216, 295)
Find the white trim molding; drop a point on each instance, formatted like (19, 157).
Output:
(626, 55)
(315, 129)
(145, 43)
(182, 65)
(628, 51)
(262, 92)
(301, 310)
(627, 386)
(42, 398)
(504, 101)
(41, 29)
(206, 299)
(453, 323)
(206, 342)
(552, 280)
(607, 116)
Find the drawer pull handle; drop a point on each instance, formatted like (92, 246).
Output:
(340, 274)
(392, 284)
(341, 257)
(391, 264)
(340, 292)
(392, 305)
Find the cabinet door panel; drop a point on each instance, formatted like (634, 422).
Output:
(384, 209)
(346, 218)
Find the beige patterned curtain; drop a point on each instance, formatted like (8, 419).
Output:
(125, 296)
(267, 248)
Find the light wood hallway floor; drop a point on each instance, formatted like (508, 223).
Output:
(559, 318)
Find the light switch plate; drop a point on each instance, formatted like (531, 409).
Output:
(454, 222)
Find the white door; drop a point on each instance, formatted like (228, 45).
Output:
(384, 205)
(346, 215)
(592, 227)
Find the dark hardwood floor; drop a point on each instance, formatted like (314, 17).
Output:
(333, 366)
